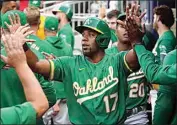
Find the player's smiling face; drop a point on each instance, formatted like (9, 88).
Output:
(89, 45)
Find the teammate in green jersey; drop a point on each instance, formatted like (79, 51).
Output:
(111, 19)
(51, 28)
(62, 49)
(136, 101)
(163, 20)
(164, 75)
(64, 14)
(166, 102)
(96, 82)
(37, 104)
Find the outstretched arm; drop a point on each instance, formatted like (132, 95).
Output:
(17, 59)
(155, 73)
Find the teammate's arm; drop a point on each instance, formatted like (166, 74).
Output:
(38, 66)
(17, 59)
(155, 73)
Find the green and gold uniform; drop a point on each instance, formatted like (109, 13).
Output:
(137, 87)
(95, 93)
(66, 34)
(19, 114)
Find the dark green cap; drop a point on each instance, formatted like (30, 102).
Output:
(35, 3)
(5, 17)
(65, 9)
(51, 23)
(121, 16)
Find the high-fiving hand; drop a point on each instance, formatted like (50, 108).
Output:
(13, 43)
(133, 23)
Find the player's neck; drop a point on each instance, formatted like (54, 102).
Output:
(123, 46)
(97, 57)
(34, 28)
(63, 22)
(162, 29)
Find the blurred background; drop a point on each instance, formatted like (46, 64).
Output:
(85, 9)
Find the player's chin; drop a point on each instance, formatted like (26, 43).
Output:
(86, 52)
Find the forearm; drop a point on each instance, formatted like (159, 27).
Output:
(37, 66)
(154, 73)
(32, 89)
(132, 60)
(31, 60)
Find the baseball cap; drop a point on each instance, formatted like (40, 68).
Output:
(35, 3)
(5, 17)
(121, 16)
(51, 23)
(65, 9)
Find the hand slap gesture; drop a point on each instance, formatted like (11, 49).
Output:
(13, 44)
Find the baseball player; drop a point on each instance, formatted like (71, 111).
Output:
(37, 104)
(40, 31)
(95, 88)
(111, 19)
(63, 49)
(64, 14)
(51, 29)
(137, 84)
(7, 99)
(164, 75)
(163, 20)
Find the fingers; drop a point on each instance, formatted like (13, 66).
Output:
(121, 22)
(11, 20)
(29, 40)
(23, 29)
(127, 12)
(4, 59)
(137, 10)
(132, 9)
(142, 15)
(28, 33)
(8, 26)
(17, 19)
(143, 28)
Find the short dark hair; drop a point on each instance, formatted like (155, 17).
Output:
(112, 13)
(166, 15)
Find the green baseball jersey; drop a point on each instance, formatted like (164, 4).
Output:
(112, 50)
(149, 40)
(61, 47)
(9, 76)
(137, 86)
(66, 34)
(95, 93)
(166, 100)
(19, 114)
(137, 90)
(114, 37)
(164, 75)
(169, 59)
(164, 45)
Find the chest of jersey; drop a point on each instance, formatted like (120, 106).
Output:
(98, 90)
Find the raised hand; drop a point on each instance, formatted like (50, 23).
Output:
(14, 23)
(13, 44)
